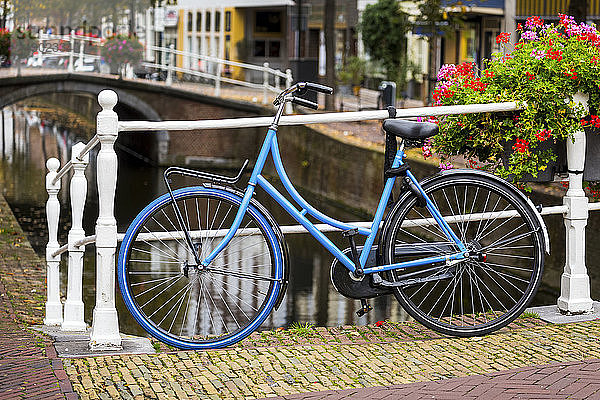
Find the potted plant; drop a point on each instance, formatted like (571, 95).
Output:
(549, 65)
(353, 74)
(120, 50)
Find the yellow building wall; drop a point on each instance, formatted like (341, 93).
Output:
(181, 31)
(237, 35)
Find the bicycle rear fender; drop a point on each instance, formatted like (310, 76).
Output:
(452, 172)
(276, 229)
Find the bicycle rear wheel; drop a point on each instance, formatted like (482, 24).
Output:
(188, 306)
(485, 292)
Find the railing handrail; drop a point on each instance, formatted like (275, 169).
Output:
(304, 119)
(69, 165)
(219, 60)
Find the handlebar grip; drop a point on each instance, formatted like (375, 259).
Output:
(303, 102)
(319, 88)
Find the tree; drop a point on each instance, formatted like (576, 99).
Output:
(384, 26)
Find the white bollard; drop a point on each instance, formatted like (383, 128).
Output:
(105, 323)
(265, 82)
(289, 109)
(575, 282)
(73, 313)
(53, 304)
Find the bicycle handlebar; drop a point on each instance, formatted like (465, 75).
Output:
(316, 87)
(301, 88)
(303, 102)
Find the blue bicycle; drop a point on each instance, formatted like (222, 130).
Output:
(462, 251)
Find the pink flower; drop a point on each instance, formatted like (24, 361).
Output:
(446, 166)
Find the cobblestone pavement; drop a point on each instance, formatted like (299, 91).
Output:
(239, 373)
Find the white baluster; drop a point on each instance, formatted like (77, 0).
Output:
(575, 282)
(265, 82)
(278, 80)
(169, 80)
(105, 323)
(73, 314)
(218, 78)
(81, 47)
(288, 82)
(53, 304)
(71, 51)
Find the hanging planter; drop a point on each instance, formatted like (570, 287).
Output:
(548, 67)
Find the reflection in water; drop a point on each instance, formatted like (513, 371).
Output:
(27, 142)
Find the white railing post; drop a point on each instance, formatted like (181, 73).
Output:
(169, 80)
(218, 78)
(105, 323)
(288, 82)
(265, 82)
(575, 282)
(278, 80)
(81, 47)
(73, 314)
(71, 51)
(53, 304)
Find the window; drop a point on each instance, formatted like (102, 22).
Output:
(217, 21)
(259, 48)
(274, 47)
(207, 19)
(227, 21)
(268, 22)
(198, 21)
(190, 26)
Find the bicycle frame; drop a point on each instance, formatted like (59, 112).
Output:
(270, 146)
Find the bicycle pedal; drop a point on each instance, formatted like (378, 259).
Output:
(365, 308)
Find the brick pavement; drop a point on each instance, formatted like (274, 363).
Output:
(573, 380)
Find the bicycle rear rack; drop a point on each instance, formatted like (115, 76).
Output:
(230, 180)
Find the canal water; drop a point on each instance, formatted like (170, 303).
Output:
(32, 134)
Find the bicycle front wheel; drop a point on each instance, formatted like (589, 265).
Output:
(188, 306)
(504, 237)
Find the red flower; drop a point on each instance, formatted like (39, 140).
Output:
(534, 21)
(504, 37)
(488, 73)
(519, 27)
(571, 74)
(379, 323)
(522, 146)
(530, 76)
(594, 121)
(554, 54)
(476, 85)
(543, 134)
(465, 69)
(595, 60)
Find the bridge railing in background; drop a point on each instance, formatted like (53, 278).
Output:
(575, 285)
(261, 78)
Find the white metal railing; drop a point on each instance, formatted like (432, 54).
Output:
(203, 66)
(575, 295)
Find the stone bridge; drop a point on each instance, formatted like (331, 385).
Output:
(142, 100)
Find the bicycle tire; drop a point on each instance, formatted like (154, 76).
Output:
(477, 296)
(223, 303)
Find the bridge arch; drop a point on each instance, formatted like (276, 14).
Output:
(130, 103)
